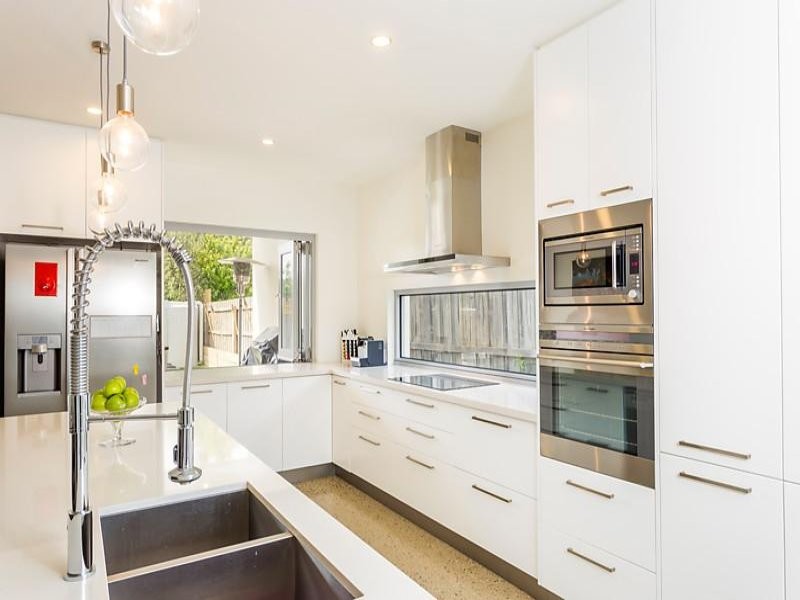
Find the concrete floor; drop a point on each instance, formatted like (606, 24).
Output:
(439, 568)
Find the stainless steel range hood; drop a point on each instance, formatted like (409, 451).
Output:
(453, 178)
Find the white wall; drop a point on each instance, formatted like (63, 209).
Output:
(392, 223)
(207, 186)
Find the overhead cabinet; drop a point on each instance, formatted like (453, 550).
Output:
(42, 178)
(593, 113)
(718, 247)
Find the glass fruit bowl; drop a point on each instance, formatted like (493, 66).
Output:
(116, 439)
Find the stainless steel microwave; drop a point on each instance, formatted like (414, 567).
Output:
(596, 267)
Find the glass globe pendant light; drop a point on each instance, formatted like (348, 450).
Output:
(160, 27)
(123, 142)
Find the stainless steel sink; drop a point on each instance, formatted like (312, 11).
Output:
(229, 545)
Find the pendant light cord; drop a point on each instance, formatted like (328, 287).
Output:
(124, 59)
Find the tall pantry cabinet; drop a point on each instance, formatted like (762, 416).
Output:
(719, 299)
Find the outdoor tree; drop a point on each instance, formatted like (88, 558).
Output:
(208, 274)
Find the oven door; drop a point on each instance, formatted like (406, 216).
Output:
(597, 412)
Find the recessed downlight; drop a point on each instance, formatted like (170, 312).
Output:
(94, 110)
(381, 41)
(268, 141)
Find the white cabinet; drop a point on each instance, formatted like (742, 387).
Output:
(42, 178)
(609, 513)
(340, 425)
(306, 421)
(790, 217)
(620, 101)
(792, 496)
(576, 570)
(562, 125)
(721, 532)
(718, 246)
(143, 187)
(211, 400)
(255, 419)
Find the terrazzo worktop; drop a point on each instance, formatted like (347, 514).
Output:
(34, 491)
(512, 398)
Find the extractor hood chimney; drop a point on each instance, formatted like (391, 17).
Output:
(453, 178)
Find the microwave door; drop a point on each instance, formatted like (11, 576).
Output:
(585, 272)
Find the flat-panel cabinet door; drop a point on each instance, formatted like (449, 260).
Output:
(718, 246)
(721, 533)
(143, 186)
(306, 421)
(620, 105)
(211, 400)
(561, 123)
(255, 419)
(790, 217)
(792, 496)
(42, 177)
(340, 424)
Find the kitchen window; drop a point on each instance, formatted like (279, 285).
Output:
(484, 327)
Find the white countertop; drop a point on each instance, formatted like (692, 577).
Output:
(34, 480)
(509, 398)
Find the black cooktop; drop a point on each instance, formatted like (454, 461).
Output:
(442, 382)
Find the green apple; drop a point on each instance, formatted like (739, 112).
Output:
(122, 381)
(116, 403)
(131, 396)
(113, 387)
(99, 401)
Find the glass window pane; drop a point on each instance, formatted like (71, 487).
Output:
(487, 329)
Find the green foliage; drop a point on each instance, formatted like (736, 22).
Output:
(206, 250)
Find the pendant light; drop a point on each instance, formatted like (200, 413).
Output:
(109, 192)
(123, 142)
(160, 27)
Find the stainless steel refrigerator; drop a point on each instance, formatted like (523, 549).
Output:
(124, 307)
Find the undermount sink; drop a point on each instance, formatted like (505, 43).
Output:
(227, 545)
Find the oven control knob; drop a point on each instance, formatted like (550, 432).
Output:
(633, 294)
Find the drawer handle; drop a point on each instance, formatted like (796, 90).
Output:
(418, 403)
(369, 441)
(339, 382)
(194, 392)
(591, 561)
(560, 203)
(590, 490)
(256, 387)
(47, 227)
(727, 486)
(420, 463)
(722, 451)
(369, 391)
(369, 416)
(420, 433)
(596, 389)
(490, 422)
(492, 494)
(617, 190)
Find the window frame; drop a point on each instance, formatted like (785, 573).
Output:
(399, 359)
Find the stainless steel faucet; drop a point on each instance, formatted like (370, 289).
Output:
(80, 561)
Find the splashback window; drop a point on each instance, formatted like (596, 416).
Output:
(489, 328)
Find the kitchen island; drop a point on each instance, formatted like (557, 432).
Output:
(34, 491)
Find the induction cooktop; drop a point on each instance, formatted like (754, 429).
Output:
(442, 382)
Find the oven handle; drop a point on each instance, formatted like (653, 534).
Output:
(609, 362)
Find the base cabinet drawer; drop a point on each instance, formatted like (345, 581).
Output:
(721, 533)
(369, 458)
(612, 514)
(211, 400)
(576, 570)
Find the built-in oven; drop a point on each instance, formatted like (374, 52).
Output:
(596, 266)
(597, 412)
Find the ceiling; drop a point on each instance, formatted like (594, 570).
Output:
(300, 71)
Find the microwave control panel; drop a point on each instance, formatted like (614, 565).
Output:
(634, 256)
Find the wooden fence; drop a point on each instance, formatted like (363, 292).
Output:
(221, 320)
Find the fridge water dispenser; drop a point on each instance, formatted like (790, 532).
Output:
(39, 363)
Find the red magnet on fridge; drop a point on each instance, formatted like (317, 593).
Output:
(45, 279)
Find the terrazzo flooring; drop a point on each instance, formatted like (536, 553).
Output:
(439, 568)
